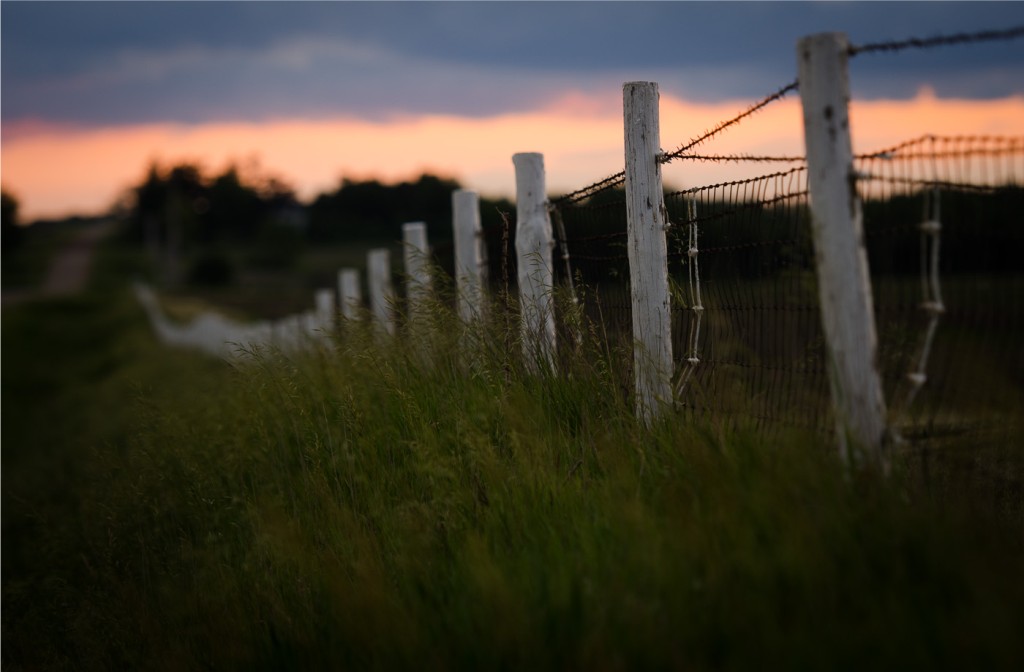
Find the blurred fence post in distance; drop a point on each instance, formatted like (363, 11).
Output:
(533, 251)
(350, 295)
(836, 221)
(325, 309)
(470, 263)
(648, 250)
(382, 294)
(416, 254)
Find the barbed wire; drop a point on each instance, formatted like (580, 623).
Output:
(764, 102)
(588, 191)
(937, 41)
(997, 144)
(739, 158)
(620, 177)
(891, 46)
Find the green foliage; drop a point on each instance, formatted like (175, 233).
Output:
(427, 503)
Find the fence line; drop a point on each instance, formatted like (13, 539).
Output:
(753, 319)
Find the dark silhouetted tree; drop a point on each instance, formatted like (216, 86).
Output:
(13, 234)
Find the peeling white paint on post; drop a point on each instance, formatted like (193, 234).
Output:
(648, 249)
(534, 243)
(349, 292)
(470, 260)
(382, 294)
(417, 267)
(844, 285)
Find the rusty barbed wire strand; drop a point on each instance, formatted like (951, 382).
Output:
(1008, 150)
(764, 102)
(1002, 144)
(871, 47)
(588, 191)
(620, 177)
(739, 158)
(937, 41)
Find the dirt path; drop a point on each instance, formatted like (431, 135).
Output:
(69, 268)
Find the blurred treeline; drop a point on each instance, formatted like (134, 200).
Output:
(182, 213)
(981, 232)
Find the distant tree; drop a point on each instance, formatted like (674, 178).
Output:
(234, 209)
(13, 234)
(369, 209)
(206, 210)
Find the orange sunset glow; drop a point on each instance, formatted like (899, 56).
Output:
(56, 171)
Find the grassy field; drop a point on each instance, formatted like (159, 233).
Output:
(381, 507)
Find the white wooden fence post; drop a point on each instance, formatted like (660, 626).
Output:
(349, 293)
(417, 267)
(844, 285)
(325, 310)
(310, 326)
(533, 251)
(648, 250)
(382, 294)
(470, 260)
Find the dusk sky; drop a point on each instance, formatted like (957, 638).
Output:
(92, 92)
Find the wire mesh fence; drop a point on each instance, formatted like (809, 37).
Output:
(746, 323)
(943, 236)
(944, 233)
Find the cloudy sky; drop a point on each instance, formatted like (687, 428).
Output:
(93, 92)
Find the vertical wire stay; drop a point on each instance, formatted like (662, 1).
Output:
(563, 245)
(562, 241)
(931, 301)
(696, 304)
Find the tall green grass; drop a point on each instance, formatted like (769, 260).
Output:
(426, 503)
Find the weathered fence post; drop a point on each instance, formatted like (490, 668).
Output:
(417, 267)
(533, 251)
(382, 294)
(325, 310)
(648, 249)
(289, 332)
(350, 296)
(310, 326)
(470, 260)
(844, 285)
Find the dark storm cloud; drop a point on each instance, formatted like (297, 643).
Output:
(191, 62)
